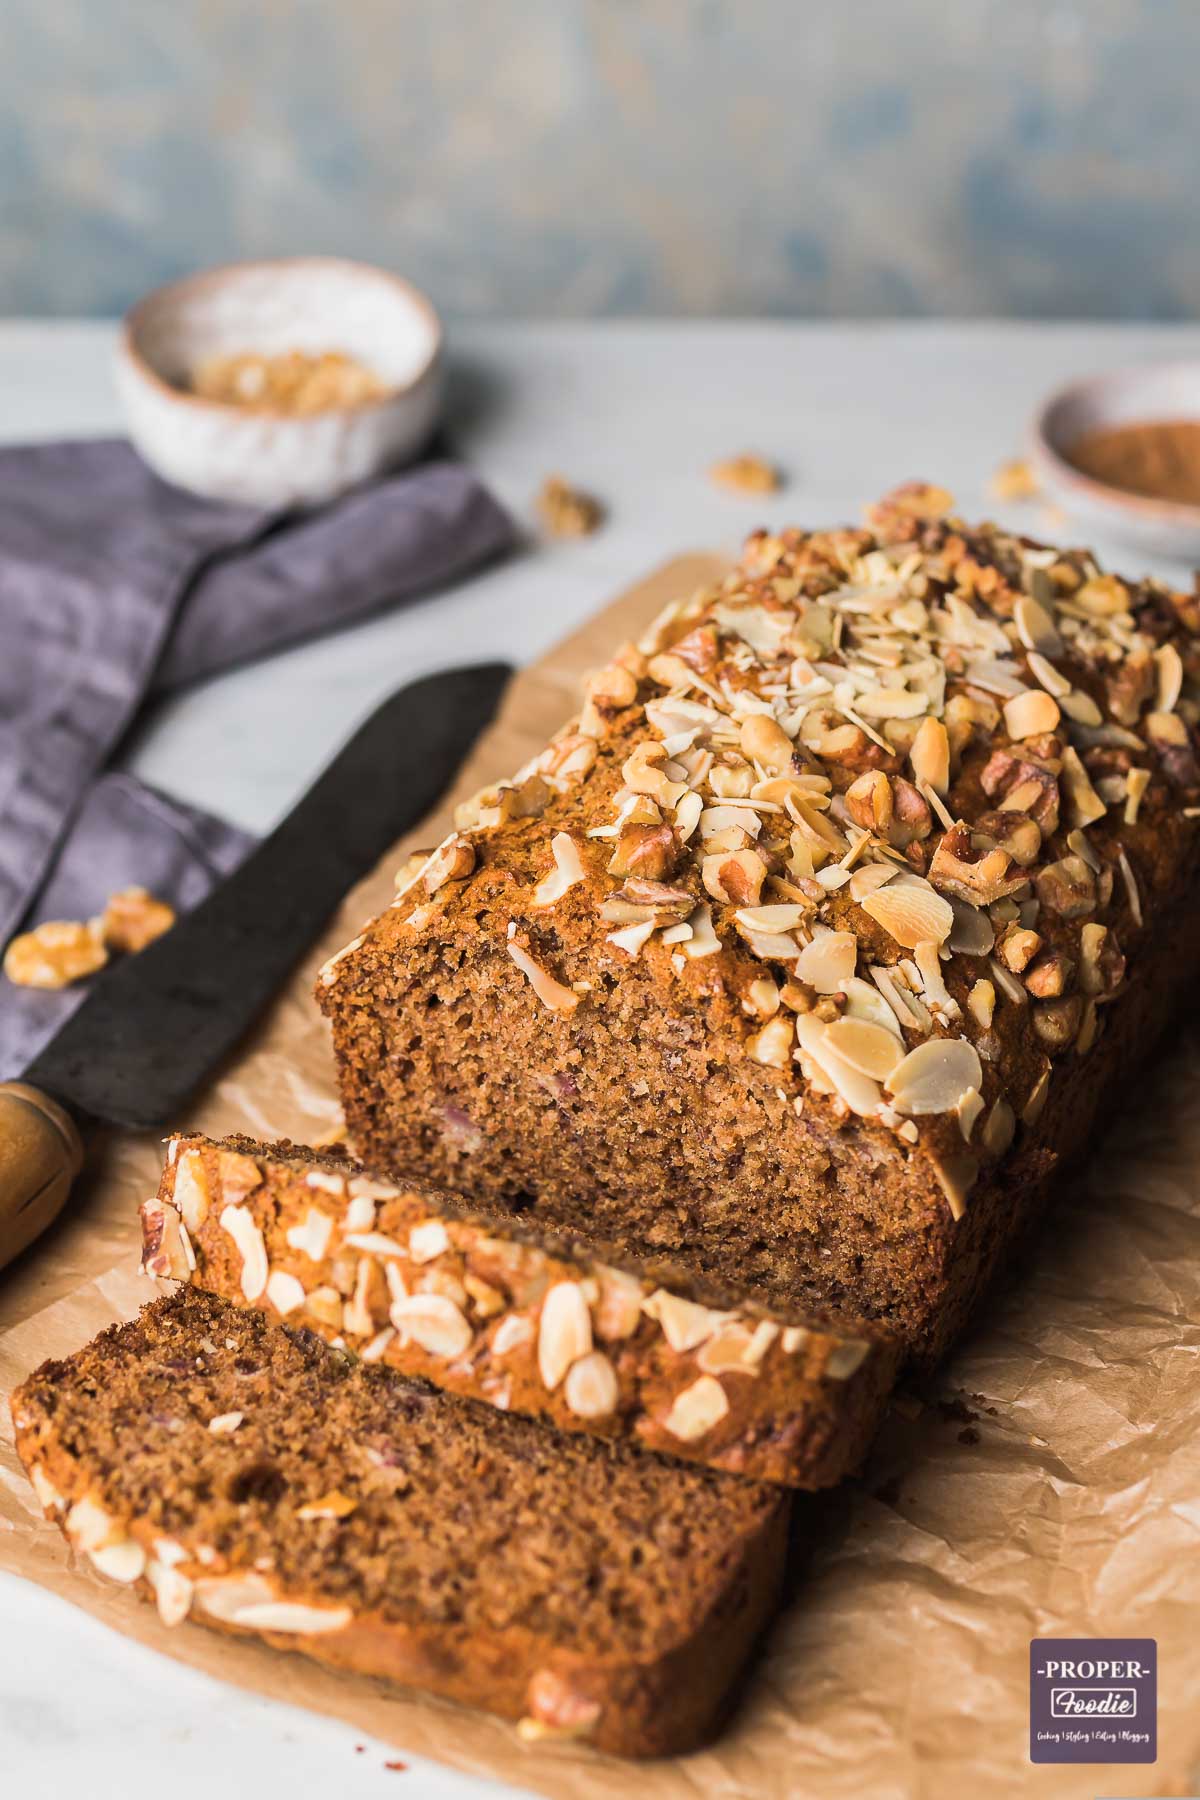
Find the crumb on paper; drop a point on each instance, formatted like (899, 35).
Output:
(54, 954)
(296, 381)
(566, 511)
(1015, 480)
(133, 918)
(746, 474)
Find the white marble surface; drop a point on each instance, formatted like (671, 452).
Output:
(636, 413)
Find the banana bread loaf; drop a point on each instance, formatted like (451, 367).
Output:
(415, 1280)
(250, 1477)
(822, 935)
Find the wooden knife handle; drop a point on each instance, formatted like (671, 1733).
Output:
(41, 1153)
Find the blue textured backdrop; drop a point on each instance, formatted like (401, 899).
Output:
(567, 157)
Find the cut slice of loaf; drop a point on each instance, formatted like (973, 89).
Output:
(525, 1319)
(250, 1477)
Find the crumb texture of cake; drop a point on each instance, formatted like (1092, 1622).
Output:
(243, 1475)
(816, 942)
(485, 1305)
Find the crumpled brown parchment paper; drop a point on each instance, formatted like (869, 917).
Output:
(1047, 1485)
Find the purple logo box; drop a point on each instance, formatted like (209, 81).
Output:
(1093, 1700)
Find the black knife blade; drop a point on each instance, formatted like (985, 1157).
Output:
(154, 1025)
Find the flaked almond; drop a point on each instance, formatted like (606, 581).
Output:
(999, 1128)
(1035, 626)
(236, 1221)
(591, 1389)
(172, 1592)
(1084, 805)
(333, 1505)
(121, 1560)
(869, 876)
(619, 1306)
(911, 912)
(564, 1331)
(568, 870)
(859, 1092)
(550, 992)
(238, 1176)
(191, 1189)
(510, 1334)
(761, 1339)
(1031, 713)
(1047, 676)
(1169, 666)
(285, 1293)
(772, 1046)
(428, 1240)
(225, 1424)
(685, 1323)
(929, 756)
(828, 960)
(311, 1237)
(935, 1076)
(453, 860)
(846, 1359)
(869, 1048)
(728, 1352)
(433, 1322)
(981, 1004)
(697, 1409)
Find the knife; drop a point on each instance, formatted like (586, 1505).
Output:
(155, 1024)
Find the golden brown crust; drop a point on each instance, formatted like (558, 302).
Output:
(413, 1280)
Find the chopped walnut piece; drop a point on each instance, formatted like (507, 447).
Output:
(1067, 887)
(746, 475)
(1057, 1021)
(566, 511)
(652, 851)
(1015, 480)
(133, 918)
(54, 954)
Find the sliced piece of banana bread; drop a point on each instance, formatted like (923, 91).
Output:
(248, 1476)
(532, 1320)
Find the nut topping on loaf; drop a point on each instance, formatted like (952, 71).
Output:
(805, 780)
(412, 1279)
(884, 815)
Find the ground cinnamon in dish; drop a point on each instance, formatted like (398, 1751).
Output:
(1159, 459)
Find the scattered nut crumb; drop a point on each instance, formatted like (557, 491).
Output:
(133, 918)
(1015, 480)
(395, 1764)
(54, 954)
(294, 382)
(746, 475)
(566, 511)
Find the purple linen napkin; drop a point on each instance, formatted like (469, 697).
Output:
(112, 585)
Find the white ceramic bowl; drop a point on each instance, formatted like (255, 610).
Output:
(262, 456)
(1153, 392)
